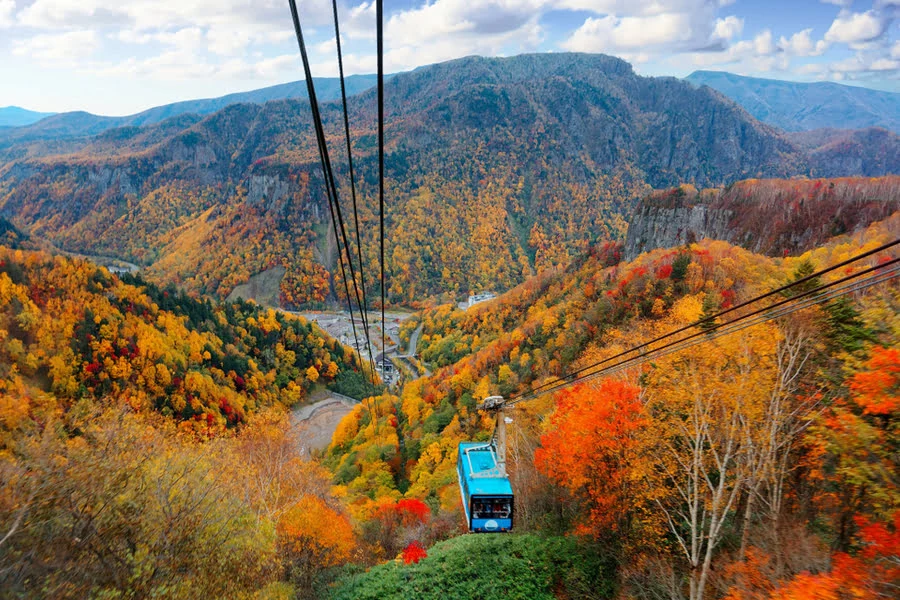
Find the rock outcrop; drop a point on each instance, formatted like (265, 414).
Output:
(771, 216)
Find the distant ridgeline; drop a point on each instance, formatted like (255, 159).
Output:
(769, 216)
(797, 106)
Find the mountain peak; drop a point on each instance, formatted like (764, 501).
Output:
(16, 116)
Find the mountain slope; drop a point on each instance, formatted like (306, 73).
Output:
(548, 326)
(496, 168)
(870, 152)
(14, 116)
(803, 106)
(80, 123)
(91, 334)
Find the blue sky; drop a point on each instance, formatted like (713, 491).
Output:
(122, 56)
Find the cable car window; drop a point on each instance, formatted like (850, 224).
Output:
(491, 508)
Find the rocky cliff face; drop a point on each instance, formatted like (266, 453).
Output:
(660, 227)
(773, 216)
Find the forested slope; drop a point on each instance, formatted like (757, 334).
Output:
(72, 331)
(145, 449)
(611, 460)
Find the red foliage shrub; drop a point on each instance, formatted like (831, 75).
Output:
(413, 553)
(411, 510)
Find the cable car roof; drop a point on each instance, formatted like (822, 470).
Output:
(483, 483)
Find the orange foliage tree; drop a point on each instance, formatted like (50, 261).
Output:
(857, 439)
(413, 553)
(588, 449)
(313, 536)
(397, 524)
(870, 575)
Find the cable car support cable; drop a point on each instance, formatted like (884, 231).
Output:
(362, 272)
(330, 187)
(812, 296)
(379, 32)
(706, 321)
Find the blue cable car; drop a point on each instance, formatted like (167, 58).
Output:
(487, 495)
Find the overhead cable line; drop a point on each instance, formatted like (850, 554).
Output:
(330, 187)
(379, 31)
(725, 329)
(735, 327)
(707, 321)
(814, 296)
(362, 272)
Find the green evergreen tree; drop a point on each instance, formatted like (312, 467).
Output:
(708, 322)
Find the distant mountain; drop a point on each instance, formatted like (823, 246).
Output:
(80, 123)
(833, 152)
(796, 106)
(496, 168)
(327, 88)
(14, 116)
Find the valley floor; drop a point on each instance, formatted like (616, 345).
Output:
(316, 421)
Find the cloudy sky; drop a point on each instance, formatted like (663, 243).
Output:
(121, 56)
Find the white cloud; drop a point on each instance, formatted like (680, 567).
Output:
(645, 8)
(228, 40)
(611, 33)
(180, 65)
(818, 70)
(852, 28)
(438, 31)
(328, 47)
(843, 3)
(884, 64)
(762, 43)
(661, 26)
(266, 69)
(860, 66)
(130, 36)
(154, 14)
(756, 55)
(189, 38)
(801, 44)
(7, 8)
(728, 27)
(450, 17)
(359, 22)
(252, 39)
(57, 48)
(407, 56)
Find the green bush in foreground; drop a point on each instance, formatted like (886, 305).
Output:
(485, 567)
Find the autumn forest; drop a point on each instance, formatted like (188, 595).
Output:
(149, 442)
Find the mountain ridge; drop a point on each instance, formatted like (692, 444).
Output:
(496, 169)
(16, 116)
(770, 217)
(797, 106)
(82, 123)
